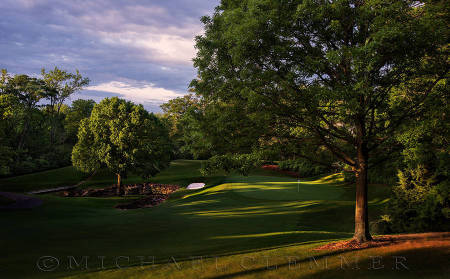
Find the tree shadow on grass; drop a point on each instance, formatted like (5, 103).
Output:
(415, 262)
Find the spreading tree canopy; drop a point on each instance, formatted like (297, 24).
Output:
(343, 74)
(123, 137)
(60, 85)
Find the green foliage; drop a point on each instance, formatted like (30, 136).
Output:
(344, 76)
(385, 173)
(123, 137)
(303, 167)
(79, 110)
(419, 203)
(201, 128)
(32, 133)
(341, 71)
(60, 85)
(183, 127)
(241, 163)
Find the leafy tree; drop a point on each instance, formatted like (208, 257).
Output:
(9, 106)
(347, 74)
(241, 163)
(204, 127)
(32, 114)
(177, 112)
(425, 139)
(123, 137)
(418, 204)
(27, 91)
(79, 110)
(60, 85)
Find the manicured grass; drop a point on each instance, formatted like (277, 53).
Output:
(411, 260)
(180, 172)
(66, 176)
(5, 201)
(239, 215)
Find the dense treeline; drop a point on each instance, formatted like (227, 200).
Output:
(37, 128)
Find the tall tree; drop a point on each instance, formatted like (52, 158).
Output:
(123, 137)
(28, 91)
(79, 110)
(176, 114)
(345, 73)
(60, 86)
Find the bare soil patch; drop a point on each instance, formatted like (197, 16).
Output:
(388, 240)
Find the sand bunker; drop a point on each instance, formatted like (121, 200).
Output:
(194, 186)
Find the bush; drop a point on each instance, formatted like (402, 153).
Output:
(217, 163)
(381, 226)
(419, 203)
(303, 167)
(242, 163)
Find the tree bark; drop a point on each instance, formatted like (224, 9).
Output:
(361, 209)
(119, 185)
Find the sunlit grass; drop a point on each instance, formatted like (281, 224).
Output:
(412, 260)
(274, 234)
(231, 215)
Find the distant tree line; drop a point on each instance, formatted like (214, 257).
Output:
(37, 128)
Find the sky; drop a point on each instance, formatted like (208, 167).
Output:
(140, 50)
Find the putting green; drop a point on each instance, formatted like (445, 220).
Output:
(289, 189)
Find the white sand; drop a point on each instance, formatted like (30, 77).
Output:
(194, 186)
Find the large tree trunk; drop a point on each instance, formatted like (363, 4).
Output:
(119, 185)
(361, 209)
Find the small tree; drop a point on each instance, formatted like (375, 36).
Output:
(123, 137)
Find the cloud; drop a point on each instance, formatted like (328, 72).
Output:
(154, 47)
(138, 92)
(140, 49)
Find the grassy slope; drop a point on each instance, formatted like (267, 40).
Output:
(5, 201)
(240, 216)
(66, 176)
(411, 260)
(181, 172)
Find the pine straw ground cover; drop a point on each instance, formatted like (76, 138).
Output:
(387, 240)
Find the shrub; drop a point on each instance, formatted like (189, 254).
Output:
(419, 203)
(242, 163)
(381, 226)
(303, 167)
